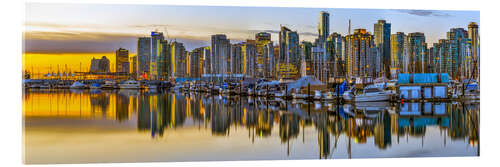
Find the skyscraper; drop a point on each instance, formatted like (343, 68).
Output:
(221, 53)
(397, 53)
(323, 26)
(289, 53)
(440, 53)
(196, 62)
(334, 51)
(459, 51)
(178, 62)
(134, 66)
(306, 56)
(360, 51)
(99, 65)
(143, 56)
(382, 32)
(164, 60)
(122, 63)
(473, 30)
(156, 39)
(249, 54)
(237, 59)
(263, 42)
(416, 50)
(207, 64)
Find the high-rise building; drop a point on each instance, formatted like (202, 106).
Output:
(398, 54)
(264, 54)
(459, 51)
(156, 39)
(289, 60)
(164, 61)
(360, 52)
(99, 65)
(306, 55)
(323, 26)
(178, 62)
(334, 52)
(134, 66)
(269, 60)
(221, 54)
(382, 33)
(196, 63)
(249, 54)
(237, 60)
(122, 63)
(440, 53)
(207, 66)
(473, 30)
(143, 56)
(416, 50)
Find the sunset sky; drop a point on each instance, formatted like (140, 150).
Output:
(72, 33)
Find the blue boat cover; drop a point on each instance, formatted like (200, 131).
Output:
(422, 78)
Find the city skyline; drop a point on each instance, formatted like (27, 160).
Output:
(97, 29)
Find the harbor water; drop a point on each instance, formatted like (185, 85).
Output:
(82, 126)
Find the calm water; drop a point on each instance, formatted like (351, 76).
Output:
(81, 126)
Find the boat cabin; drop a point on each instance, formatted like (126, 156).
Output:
(423, 86)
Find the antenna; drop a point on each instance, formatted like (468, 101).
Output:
(166, 33)
(349, 30)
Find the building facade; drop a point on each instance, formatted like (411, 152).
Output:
(473, 30)
(99, 65)
(289, 58)
(416, 50)
(122, 63)
(398, 54)
(382, 34)
(155, 52)
(360, 51)
(221, 54)
(179, 60)
(143, 56)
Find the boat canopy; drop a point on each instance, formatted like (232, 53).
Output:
(303, 82)
(77, 84)
(423, 78)
(270, 83)
(472, 86)
(95, 85)
(381, 80)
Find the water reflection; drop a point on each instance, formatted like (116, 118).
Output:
(380, 123)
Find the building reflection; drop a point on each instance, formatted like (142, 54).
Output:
(384, 124)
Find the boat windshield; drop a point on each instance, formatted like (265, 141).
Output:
(371, 90)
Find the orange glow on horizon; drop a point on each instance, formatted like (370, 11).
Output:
(42, 63)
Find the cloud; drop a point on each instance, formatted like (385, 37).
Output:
(89, 42)
(79, 36)
(63, 38)
(426, 13)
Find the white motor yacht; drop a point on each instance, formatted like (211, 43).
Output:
(130, 84)
(372, 93)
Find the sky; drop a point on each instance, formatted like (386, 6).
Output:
(55, 28)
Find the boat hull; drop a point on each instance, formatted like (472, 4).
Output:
(373, 97)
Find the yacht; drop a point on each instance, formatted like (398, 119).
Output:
(329, 96)
(372, 93)
(317, 95)
(109, 85)
(130, 84)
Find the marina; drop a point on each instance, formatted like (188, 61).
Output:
(409, 87)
